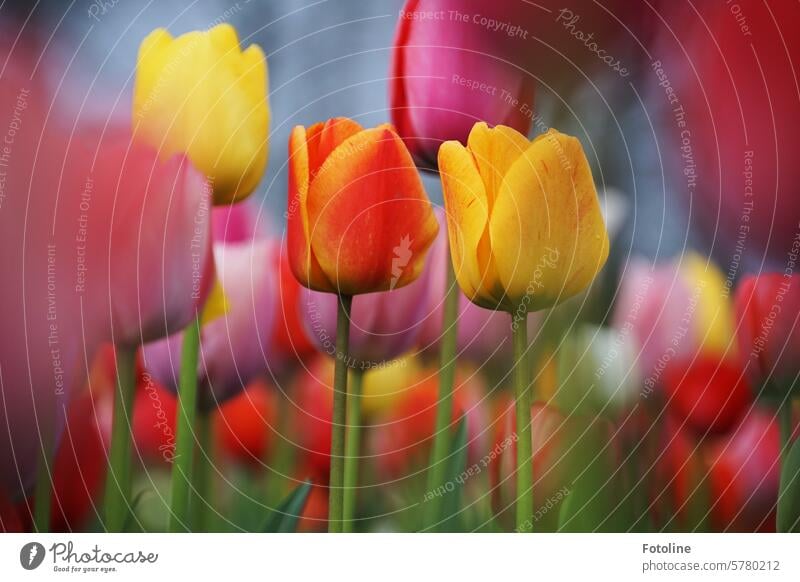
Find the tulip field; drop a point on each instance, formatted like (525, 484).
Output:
(399, 266)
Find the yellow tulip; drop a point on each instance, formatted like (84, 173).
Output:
(201, 94)
(523, 217)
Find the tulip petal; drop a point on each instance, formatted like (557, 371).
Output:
(370, 220)
(303, 262)
(547, 232)
(467, 217)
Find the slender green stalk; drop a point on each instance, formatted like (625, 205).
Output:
(336, 484)
(785, 418)
(118, 481)
(44, 482)
(444, 404)
(203, 476)
(184, 431)
(352, 445)
(523, 416)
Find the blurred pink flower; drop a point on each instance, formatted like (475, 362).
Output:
(234, 347)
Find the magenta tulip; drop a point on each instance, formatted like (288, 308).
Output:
(447, 74)
(737, 173)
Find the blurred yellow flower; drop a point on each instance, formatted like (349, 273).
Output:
(202, 95)
(385, 385)
(523, 217)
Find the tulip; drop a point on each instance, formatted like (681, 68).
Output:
(509, 254)
(359, 220)
(232, 346)
(736, 177)
(744, 475)
(672, 312)
(311, 396)
(79, 469)
(599, 372)
(447, 74)
(404, 436)
(506, 251)
(245, 426)
(49, 324)
(155, 410)
(707, 393)
(769, 331)
(201, 94)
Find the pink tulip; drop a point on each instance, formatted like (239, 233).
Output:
(234, 348)
(673, 312)
(49, 328)
(737, 172)
(483, 334)
(768, 308)
(236, 223)
(155, 217)
(448, 74)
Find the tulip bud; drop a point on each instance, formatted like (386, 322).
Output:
(201, 94)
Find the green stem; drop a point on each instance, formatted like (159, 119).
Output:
(184, 431)
(118, 481)
(44, 482)
(201, 514)
(336, 481)
(523, 418)
(785, 417)
(444, 404)
(352, 446)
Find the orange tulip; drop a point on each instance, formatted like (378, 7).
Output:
(359, 220)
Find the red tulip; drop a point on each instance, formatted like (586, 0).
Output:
(709, 394)
(154, 415)
(311, 402)
(245, 426)
(769, 329)
(744, 475)
(79, 470)
(403, 438)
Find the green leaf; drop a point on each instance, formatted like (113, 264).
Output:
(129, 524)
(284, 518)
(789, 492)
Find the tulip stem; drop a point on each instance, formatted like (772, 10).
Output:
(118, 481)
(522, 382)
(785, 419)
(184, 431)
(201, 503)
(44, 482)
(336, 481)
(352, 445)
(444, 404)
